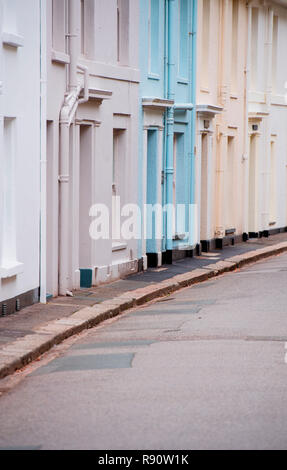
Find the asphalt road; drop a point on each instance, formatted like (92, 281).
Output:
(202, 369)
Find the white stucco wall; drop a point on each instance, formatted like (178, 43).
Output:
(268, 110)
(20, 102)
(113, 79)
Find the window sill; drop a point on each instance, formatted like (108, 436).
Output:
(12, 40)
(60, 57)
(157, 103)
(153, 76)
(182, 81)
(11, 270)
(205, 90)
(119, 247)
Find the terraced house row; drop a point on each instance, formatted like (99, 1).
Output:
(160, 123)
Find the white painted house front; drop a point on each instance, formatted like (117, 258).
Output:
(267, 117)
(92, 137)
(20, 152)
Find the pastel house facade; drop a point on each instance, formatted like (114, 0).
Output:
(222, 146)
(92, 140)
(167, 129)
(134, 133)
(21, 156)
(267, 117)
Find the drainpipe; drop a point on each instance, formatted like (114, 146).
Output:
(164, 195)
(192, 228)
(171, 46)
(67, 114)
(43, 156)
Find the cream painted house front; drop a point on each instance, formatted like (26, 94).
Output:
(92, 137)
(222, 146)
(267, 117)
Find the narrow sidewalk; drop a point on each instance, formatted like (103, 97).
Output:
(27, 334)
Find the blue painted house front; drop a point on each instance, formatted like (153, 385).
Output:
(167, 129)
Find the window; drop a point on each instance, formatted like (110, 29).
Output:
(9, 17)
(152, 190)
(154, 36)
(118, 161)
(205, 43)
(118, 179)
(273, 191)
(204, 186)
(83, 26)
(254, 48)
(59, 24)
(180, 185)
(8, 256)
(230, 182)
(123, 31)
(252, 214)
(274, 53)
(87, 20)
(183, 39)
(119, 149)
(152, 166)
(234, 50)
(86, 193)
